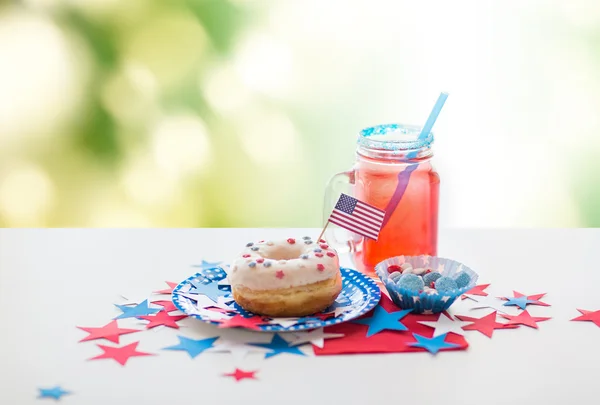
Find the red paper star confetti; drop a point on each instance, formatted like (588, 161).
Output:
(477, 290)
(110, 332)
(524, 318)
(485, 325)
(355, 338)
(239, 321)
(120, 354)
(169, 290)
(168, 306)
(241, 374)
(591, 316)
(162, 318)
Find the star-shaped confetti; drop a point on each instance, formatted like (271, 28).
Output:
(238, 345)
(54, 393)
(120, 354)
(445, 325)
(434, 344)
(522, 300)
(383, 320)
(169, 290)
(241, 374)
(207, 265)
(239, 321)
(316, 337)
(136, 311)
(191, 346)
(168, 306)
(211, 290)
(284, 322)
(110, 332)
(485, 325)
(524, 318)
(590, 316)
(477, 290)
(489, 302)
(162, 318)
(135, 296)
(278, 345)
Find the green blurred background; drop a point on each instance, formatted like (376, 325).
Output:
(219, 113)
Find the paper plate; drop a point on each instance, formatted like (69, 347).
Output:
(359, 295)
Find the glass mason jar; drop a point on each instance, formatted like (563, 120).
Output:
(392, 172)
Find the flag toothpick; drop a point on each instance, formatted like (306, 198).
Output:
(356, 216)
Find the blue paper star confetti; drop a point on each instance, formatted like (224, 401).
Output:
(191, 346)
(278, 346)
(207, 265)
(55, 393)
(432, 345)
(520, 302)
(383, 320)
(140, 309)
(211, 290)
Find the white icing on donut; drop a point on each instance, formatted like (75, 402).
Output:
(283, 264)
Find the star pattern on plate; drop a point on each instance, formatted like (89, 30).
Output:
(590, 316)
(55, 393)
(169, 290)
(445, 325)
(211, 290)
(488, 302)
(486, 324)
(241, 374)
(285, 322)
(110, 332)
(120, 354)
(207, 265)
(277, 346)
(524, 318)
(381, 320)
(136, 311)
(162, 318)
(522, 300)
(315, 337)
(433, 345)
(477, 290)
(340, 306)
(238, 321)
(192, 347)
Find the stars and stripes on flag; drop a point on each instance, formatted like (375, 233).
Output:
(357, 216)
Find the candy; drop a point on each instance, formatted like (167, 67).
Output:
(267, 264)
(324, 246)
(419, 271)
(319, 254)
(406, 268)
(252, 264)
(279, 274)
(303, 256)
(330, 254)
(254, 248)
(308, 242)
(320, 267)
(322, 241)
(246, 255)
(394, 269)
(444, 284)
(430, 278)
(291, 241)
(306, 237)
(411, 282)
(317, 250)
(395, 276)
(260, 260)
(462, 280)
(249, 244)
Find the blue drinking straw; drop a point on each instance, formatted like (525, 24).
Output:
(404, 176)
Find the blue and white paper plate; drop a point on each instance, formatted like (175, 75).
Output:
(359, 295)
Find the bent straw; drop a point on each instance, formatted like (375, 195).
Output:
(404, 176)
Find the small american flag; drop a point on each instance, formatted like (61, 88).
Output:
(357, 216)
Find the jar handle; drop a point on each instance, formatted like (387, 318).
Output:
(340, 239)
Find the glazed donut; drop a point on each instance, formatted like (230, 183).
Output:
(292, 277)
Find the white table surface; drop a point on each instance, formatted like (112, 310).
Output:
(53, 280)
